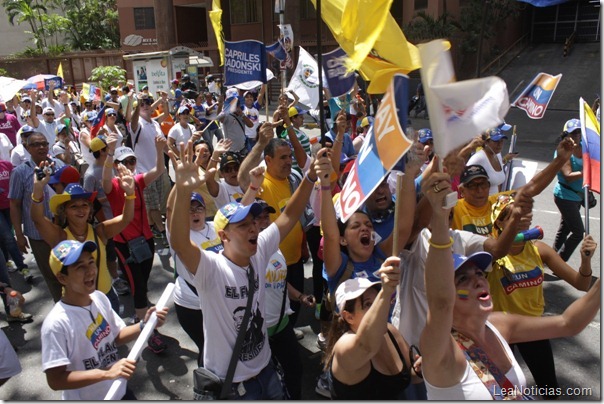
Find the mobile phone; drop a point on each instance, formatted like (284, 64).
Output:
(450, 200)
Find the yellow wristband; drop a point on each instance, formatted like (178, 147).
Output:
(36, 200)
(130, 197)
(442, 246)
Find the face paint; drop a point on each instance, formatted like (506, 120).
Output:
(463, 294)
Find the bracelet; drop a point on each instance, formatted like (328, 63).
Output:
(586, 276)
(325, 187)
(441, 246)
(141, 324)
(36, 200)
(300, 297)
(130, 197)
(338, 140)
(214, 160)
(253, 188)
(109, 154)
(307, 178)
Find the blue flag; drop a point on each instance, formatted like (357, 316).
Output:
(544, 3)
(244, 61)
(338, 81)
(277, 51)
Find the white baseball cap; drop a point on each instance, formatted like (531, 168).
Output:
(122, 153)
(351, 289)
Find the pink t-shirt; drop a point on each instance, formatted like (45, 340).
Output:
(10, 125)
(139, 226)
(5, 169)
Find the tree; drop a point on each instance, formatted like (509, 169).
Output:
(107, 76)
(28, 11)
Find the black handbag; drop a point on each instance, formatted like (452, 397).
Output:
(138, 247)
(206, 384)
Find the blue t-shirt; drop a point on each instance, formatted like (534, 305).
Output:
(367, 269)
(347, 146)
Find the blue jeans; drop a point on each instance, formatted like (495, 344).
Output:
(264, 386)
(7, 240)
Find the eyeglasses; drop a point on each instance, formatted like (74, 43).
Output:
(198, 209)
(146, 101)
(476, 185)
(111, 114)
(129, 161)
(38, 144)
(230, 169)
(49, 114)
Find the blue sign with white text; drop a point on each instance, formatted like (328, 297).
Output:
(244, 61)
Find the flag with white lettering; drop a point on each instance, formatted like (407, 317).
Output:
(244, 61)
(536, 96)
(459, 110)
(384, 145)
(334, 66)
(277, 51)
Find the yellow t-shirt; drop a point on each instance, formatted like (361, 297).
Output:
(277, 193)
(475, 220)
(516, 282)
(104, 278)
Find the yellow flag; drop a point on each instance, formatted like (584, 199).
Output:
(60, 70)
(216, 18)
(370, 35)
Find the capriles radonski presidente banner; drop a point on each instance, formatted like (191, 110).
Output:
(244, 61)
(384, 145)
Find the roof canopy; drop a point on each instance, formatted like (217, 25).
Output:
(193, 57)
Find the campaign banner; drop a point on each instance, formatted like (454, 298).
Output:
(590, 144)
(384, 145)
(536, 96)
(244, 61)
(277, 51)
(286, 38)
(334, 67)
(57, 81)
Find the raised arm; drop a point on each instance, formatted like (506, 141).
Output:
(32, 110)
(338, 141)
(254, 157)
(354, 350)
(440, 365)
(542, 179)
(296, 98)
(299, 152)
(155, 172)
(329, 223)
(256, 178)
(296, 204)
(108, 165)
(117, 224)
(187, 179)
(50, 232)
(222, 147)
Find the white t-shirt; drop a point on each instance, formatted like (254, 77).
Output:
(120, 136)
(5, 147)
(253, 114)
(227, 193)
(180, 134)
(49, 130)
(144, 149)
(56, 106)
(9, 362)
(224, 287)
(82, 338)
(19, 155)
(495, 177)
(411, 306)
(207, 240)
(276, 274)
(86, 153)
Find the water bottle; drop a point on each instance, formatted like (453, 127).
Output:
(536, 233)
(14, 304)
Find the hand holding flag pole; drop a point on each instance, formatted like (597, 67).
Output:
(164, 300)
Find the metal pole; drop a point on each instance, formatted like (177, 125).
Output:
(320, 66)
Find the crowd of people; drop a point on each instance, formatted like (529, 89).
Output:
(429, 307)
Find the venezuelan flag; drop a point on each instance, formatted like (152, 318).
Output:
(98, 123)
(590, 141)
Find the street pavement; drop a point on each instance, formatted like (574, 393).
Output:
(168, 376)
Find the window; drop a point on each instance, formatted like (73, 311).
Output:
(144, 18)
(245, 11)
(307, 10)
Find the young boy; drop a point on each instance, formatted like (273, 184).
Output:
(81, 333)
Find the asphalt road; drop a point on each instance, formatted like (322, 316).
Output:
(169, 375)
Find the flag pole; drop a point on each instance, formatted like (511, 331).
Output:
(320, 67)
(282, 65)
(399, 185)
(508, 165)
(586, 202)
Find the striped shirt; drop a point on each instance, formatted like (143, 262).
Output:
(304, 141)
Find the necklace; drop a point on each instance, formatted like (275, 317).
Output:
(79, 236)
(83, 308)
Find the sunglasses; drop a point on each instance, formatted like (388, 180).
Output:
(197, 209)
(49, 114)
(38, 144)
(230, 169)
(129, 161)
(111, 114)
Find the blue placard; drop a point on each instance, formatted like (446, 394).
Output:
(56, 80)
(338, 81)
(244, 61)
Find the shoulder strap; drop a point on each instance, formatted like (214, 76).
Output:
(138, 134)
(398, 350)
(228, 380)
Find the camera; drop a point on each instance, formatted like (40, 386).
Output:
(41, 172)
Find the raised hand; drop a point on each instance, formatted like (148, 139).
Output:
(435, 188)
(47, 168)
(390, 273)
(126, 179)
(257, 176)
(111, 142)
(160, 142)
(186, 172)
(223, 146)
(266, 133)
(588, 248)
(565, 147)
(341, 122)
(322, 166)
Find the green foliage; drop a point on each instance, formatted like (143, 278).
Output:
(108, 76)
(424, 27)
(3, 72)
(82, 24)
